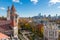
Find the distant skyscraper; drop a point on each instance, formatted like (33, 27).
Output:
(39, 14)
(49, 16)
(56, 16)
(44, 16)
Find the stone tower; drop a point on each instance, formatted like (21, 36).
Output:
(13, 17)
(8, 13)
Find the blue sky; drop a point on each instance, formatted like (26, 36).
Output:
(29, 8)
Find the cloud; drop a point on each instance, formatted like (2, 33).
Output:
(2, 8)
(34, 1)
(16, 1)
(52, 2)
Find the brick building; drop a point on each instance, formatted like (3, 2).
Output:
(9, 25)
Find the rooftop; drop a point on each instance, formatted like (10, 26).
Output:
(3, 36)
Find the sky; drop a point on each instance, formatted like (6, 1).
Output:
(29, 8)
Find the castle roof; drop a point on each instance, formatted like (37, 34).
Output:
(13, 8)
(8, 8)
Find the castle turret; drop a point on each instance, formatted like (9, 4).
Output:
(13, 9)
(14, 19)
(8, 13)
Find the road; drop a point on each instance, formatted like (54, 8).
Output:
(21, 37)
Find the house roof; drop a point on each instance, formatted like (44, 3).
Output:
(3, 36)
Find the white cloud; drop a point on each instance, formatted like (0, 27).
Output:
(54, 2)
(16, 1)
(2, 8)
(34, 1)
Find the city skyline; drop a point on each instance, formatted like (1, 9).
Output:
(29, 8)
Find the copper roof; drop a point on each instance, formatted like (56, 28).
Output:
(13, 8)
(8, 8)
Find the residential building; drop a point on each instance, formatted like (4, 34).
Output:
(50, 31)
